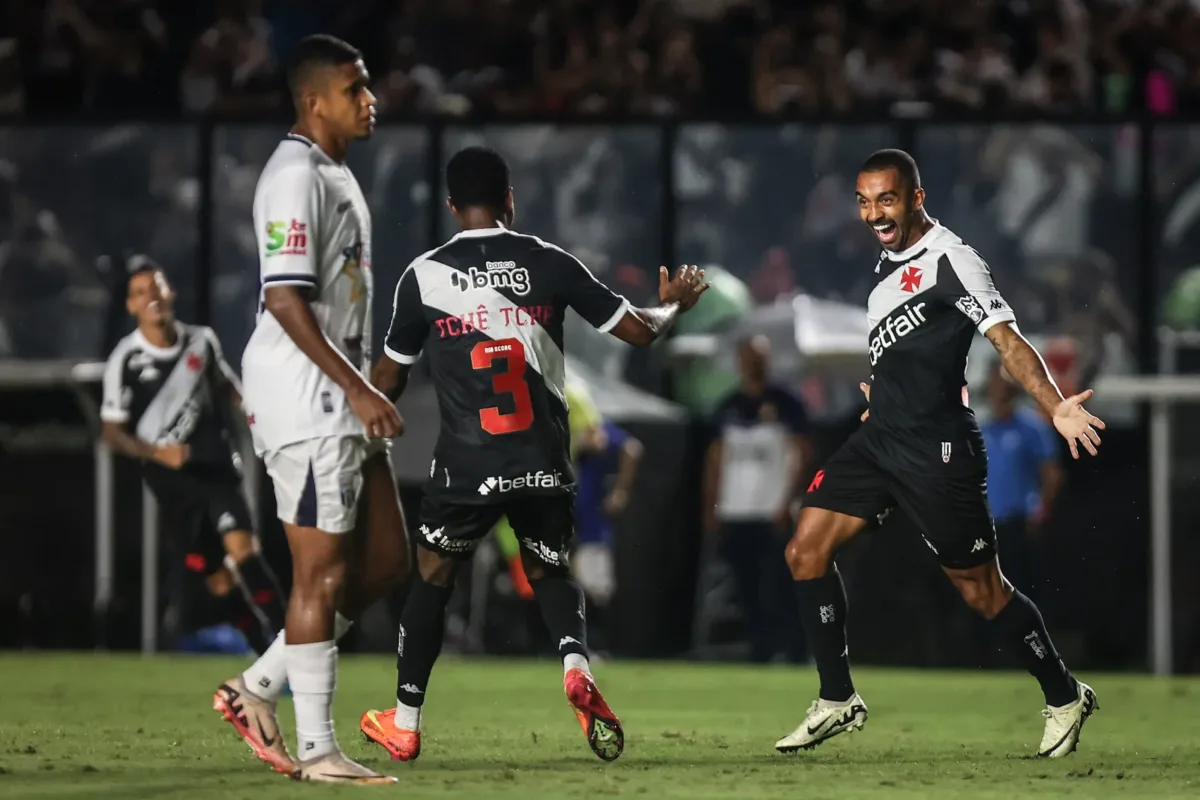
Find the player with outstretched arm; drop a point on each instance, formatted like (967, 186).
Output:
(920, 450)
(487, 310)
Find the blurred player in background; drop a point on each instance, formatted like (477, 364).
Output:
(319, 426)
(920, 450)
(487, 308)
(585, 427)
(169, 401)
(606, 468)
(754, 472)
(1024, 478)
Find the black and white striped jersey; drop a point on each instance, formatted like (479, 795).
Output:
(170, 395)
(930, 300)
(487, 309)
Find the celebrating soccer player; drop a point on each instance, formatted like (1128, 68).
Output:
(168, 400)
(320, 427)
(921, 451)
(487, 309)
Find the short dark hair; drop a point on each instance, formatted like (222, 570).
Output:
(478, 176)
(902, 162)
(313, 53)
(140, 265)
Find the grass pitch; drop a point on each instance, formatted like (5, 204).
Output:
(82, 725)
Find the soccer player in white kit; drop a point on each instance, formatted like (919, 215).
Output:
(318, 424)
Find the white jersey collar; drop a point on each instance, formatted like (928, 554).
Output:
(915, 249)
(161, 352)
(475, 233)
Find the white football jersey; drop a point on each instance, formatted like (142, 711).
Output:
(314, 232)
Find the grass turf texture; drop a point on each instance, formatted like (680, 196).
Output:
(83, 725)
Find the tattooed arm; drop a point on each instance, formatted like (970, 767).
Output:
(1026, 366)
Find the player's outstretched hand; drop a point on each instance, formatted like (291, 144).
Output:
(378, 415)
(1076, 425)
(685, 288)
(866, 390)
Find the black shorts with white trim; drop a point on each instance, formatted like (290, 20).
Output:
(949, 508)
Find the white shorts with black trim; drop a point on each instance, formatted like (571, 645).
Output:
(318, 481)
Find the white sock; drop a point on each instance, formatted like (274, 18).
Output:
(267, 676)
(312, 672)
(408, 718)
(575, 661)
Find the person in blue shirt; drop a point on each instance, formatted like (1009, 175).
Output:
(1024, 477)
(605, 470)
(754, 475)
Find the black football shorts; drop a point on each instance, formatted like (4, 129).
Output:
(950, 509)
(544, 525)
(197, 508)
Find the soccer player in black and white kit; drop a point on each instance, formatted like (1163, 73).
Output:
(169, 401)
(920, 450)
(487, 309)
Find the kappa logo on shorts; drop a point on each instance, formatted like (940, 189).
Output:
(226, 523)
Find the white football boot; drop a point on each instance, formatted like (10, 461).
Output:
(1064, 723)
(826, 719)
(335, 767)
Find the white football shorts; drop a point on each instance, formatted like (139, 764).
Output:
(318, 481)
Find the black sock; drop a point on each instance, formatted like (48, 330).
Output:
(561, 601)
(422, 629)
(823, 613)
(1022, 632)
(244, 617)
(257, 581)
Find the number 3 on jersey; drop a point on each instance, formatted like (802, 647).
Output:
(511, 381)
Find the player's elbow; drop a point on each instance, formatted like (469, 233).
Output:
(635, 329)
(279, 299)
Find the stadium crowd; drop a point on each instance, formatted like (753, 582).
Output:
(596, 57)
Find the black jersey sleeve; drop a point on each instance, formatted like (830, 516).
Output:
(591, 299)
(222, 373)
(965, 279)
(408, 329)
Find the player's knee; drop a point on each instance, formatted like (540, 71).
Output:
(536, 569)
(983, 588)
(220, 583)
(436, 568)
(325, 581)
(809, 552)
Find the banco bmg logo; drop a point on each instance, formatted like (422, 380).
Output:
(495, 275)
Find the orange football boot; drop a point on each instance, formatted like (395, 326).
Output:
(600, 724)
(380, 727)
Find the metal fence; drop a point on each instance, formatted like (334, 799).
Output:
(1086, 224)
(1091, 227)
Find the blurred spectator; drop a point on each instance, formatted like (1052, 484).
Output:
(655, 57)
(1024, 478)
(754, 473)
